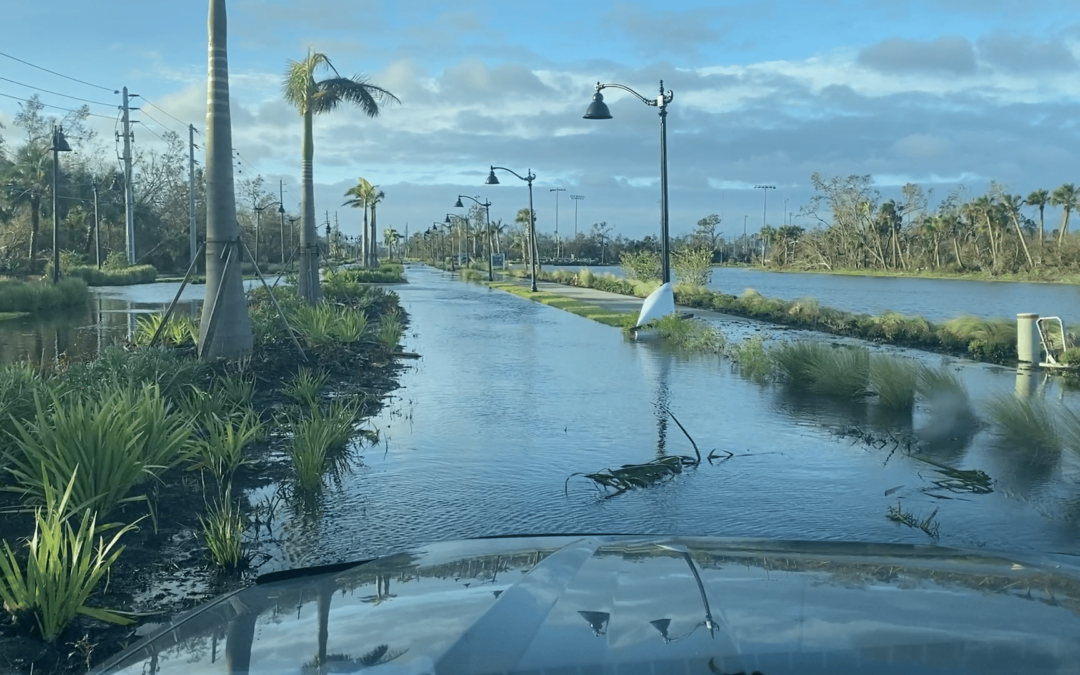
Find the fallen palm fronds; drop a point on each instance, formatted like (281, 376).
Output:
(960, 480)
(929, 524)
(634, 475)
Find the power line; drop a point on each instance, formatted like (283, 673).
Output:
(68, 77)
(156, 120)
(151, 104)
(149, 129)
(46, 105)
(56, 93)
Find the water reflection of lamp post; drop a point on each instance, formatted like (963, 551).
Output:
(487, 224)
(598, 110)
(663, 624)
(597, 621)
(529, 177)
(59, 144)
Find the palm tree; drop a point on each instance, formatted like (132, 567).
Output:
(390, 238)
(376, 197)
(1068, 198)
(1012, 204)
(225, 328)
(311, 97)
(1039, 198)
(26, 183)
(361, 195)
(497, 231)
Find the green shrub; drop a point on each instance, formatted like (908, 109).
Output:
(641, 266)
(693, 265)
(841, 372)
(221, 441)
(108, 445)
(119, 367)
(63, 567)
(137, 274)
(390, 331)
(179, 332)
(586, 278)
(752, 360)
(33, 296)
(689, 334)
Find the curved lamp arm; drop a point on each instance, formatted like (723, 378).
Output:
(484, 204)
(528, 179)
(667, 96)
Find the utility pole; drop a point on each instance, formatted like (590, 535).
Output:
(744, 232)
(281, 212)
(129, 194)
(258, 221)
(191, 190)
(337, 233)
(558, 244)
(97, 226)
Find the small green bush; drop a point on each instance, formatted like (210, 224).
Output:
(33, 296)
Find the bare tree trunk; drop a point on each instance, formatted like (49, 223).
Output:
(374, 241)
(231, 337)
(35, 227)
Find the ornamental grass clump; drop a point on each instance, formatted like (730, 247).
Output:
(390, 330)
(223, 531)
(352, 326)
(1027, 423)
(840, 372)
(117, 367)
(690, 335)
(220, 442)
(234, 391)
(63, 566)
(305, 387)
(586, 278)
(313, 439)
(180, 331)
(987, 339)
(752, 360)
(317, 324)
(120, 441)
(894, 381)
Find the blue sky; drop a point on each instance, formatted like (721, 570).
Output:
(940, 93)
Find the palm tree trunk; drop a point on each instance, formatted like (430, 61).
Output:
(1041, 226)
(374, 246)
(1064, 227)
(309, 238)
(366, 258)
(231, 337)
(35, 227)
(956, 250)
(1020, 234)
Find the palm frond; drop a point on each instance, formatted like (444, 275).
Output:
(357, 90)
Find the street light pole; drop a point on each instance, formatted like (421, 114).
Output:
(558, 244)
(487, 224)
(281, 212)
(59, 144)
(576, 198)
(765, 204)
(529, 177)
(97, 226)
(598, 110)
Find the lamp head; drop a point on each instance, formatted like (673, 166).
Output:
(60, 143)
(491, 179)
(458, 204)
(597, 110)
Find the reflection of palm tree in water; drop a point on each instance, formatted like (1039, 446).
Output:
(663, 398)
(343, 663)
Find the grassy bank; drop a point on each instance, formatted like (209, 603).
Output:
(989, 340)
(1048, 276)
(127, 276)
(36, 296)
(599, 314)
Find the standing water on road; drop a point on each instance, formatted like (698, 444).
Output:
(511, 397)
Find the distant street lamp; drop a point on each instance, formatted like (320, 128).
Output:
(765, 193)
(59, 144)
(576, 198)
(558, 244)
(598, 110)
(487, 225)
(529, 177)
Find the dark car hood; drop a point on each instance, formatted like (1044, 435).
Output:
(598, 604)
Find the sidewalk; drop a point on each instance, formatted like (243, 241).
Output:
(620, 303)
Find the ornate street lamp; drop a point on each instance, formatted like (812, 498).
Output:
(487, 224)
(529, 177)
(662, 301)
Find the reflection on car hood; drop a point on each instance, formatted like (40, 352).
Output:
(599, 604)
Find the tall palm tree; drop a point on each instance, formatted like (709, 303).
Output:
(1039, 198)
(390, 238)
(26, 184)
(231, 335)
(360, 198)
(376, 197)
(311, 97)
(1068, 198)
(497, 231)
(1011, 205)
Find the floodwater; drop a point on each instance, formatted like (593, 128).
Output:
(935, 299)
(510, 398)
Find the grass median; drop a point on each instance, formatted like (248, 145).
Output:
(596, 313)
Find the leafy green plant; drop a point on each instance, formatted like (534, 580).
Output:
(63, 566)
(305, 386)
(390, 330)
(351, 325)
(31, 296)
(586, 278)
(752, 359)
(221, 442)
(841, 372)
(235, 391)
(174, 373)
(223, 531)
(313, 438)
(691, 335)
(119, 441)
(641, 266)
(693, 265)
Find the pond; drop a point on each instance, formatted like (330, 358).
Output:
(510, 398)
